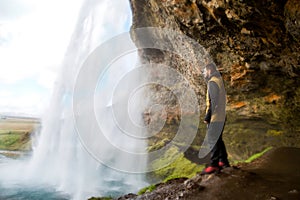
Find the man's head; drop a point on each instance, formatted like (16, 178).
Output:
(209, 69)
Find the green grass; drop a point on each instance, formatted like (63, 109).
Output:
(15, 134)
(149, 188)
(14, 140)
(257, 155)
(9, 140)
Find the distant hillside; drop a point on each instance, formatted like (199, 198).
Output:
(16, 131)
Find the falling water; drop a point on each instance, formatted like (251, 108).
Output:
(59, 160)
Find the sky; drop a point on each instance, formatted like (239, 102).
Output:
(34, 35)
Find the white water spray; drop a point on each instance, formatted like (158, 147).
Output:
(96, 109)
(59, 159)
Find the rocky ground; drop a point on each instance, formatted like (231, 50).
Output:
(275, 175)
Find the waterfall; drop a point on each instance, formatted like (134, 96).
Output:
(59, 158)
(59, 152)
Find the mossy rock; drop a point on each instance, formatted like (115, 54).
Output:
(149, 188)
(178, 168)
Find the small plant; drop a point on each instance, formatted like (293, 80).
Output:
(149, 188)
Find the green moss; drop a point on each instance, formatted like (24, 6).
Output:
(257, 155)
(274, 132)
(158, 145)
(149, 188)
(245, 136)
(180, 167)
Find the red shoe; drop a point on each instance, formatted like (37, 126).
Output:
(223, 164)
(210, 169)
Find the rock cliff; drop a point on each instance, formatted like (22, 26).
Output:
(256, 46)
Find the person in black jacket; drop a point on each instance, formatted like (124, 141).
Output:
(215, 119)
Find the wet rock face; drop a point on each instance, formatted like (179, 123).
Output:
(244, 37)
(254, 43)
(292, 18)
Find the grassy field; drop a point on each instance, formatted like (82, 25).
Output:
(15, 133)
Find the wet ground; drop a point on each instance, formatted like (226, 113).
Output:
(274, 176)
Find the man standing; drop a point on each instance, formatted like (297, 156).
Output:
(215, 119)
